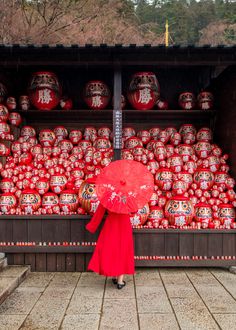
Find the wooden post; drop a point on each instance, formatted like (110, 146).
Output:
(117, 115)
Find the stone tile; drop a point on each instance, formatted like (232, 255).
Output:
(158, 321)
(147, 278)
(177, 284)
(196, 321)
(193, 314)
(16, 271)
(81, 322)
(217, 299)
(11, 322)
(188, 304)
(46, 314)
(227, 279)
(112, 292)
(37, 279)
(152, 300)
(20, 301)
(59, 293)
(84, 305)
(201, 276)
(87, 291)
(174, 277)
(226, 321)
(65, 280)
(91, 279)
(119, 314)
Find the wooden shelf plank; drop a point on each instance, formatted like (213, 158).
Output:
(47, 249)
(185, 263)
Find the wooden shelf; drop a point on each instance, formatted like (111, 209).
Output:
(46, 249)
(63, 117)
(185, 263)
(45, 217)
(168, 117)
(98, 117)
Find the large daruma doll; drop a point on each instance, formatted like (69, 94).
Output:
(144, 90)
(179, 211)
(30, 201)
(88, 196)
(8, 201)
(96, 95)
(44, 90)
(68, 201)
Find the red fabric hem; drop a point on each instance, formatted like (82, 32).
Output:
(111, 274)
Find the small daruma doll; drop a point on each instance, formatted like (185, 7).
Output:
(164, 179)
(68, 201)
(42, 186)
(6, 185)
(88, 196)
(75, 136)
(144, 90)
(47, 137)
(44, 90)
(226, 214)
(205, 100)
(202, 149)
(175, 162)
(8, 202)
(29, 201)
(156, 215)
(27, 132)
(204, 134)
(15, 118)
(96, 95)
(187, 101)
(179, 211)
(58, 183)
(140, 217)
(50, 201)
(4, 114)
(24, 102)
(204, 178)
(203, 212)
(60, 132)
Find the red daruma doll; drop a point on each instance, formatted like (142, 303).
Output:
(179, 211)
(144, 90)
(30, 201)
(44, 90)
(187, 101)
(164, 179)
(96, 95)
(226, 214)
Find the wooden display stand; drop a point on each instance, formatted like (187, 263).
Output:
(61, 243)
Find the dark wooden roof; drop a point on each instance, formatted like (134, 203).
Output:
(104, 54)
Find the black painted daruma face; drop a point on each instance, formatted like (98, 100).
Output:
(179, 207)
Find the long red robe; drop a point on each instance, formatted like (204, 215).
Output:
(114, 252)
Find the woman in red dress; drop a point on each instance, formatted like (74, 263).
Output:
(114, 252)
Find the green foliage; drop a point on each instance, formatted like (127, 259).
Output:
(186, 17)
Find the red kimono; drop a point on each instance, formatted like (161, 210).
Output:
(114, 252)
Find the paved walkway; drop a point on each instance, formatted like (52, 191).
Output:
(153, 299)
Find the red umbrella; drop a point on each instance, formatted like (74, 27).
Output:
(124, 186)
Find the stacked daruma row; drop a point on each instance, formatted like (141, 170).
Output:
(54, 173)
(44, 92)
(193, 185)
(50, 173)
(7, 118)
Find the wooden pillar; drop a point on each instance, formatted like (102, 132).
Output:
(117, 114)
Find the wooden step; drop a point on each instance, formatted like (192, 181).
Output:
(10, 279)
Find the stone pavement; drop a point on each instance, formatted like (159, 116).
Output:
(152, 299)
